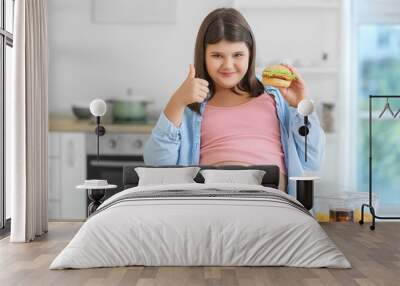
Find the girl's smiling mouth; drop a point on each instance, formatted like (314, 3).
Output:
(227, 74)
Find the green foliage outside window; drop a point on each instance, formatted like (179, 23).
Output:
(379, 74)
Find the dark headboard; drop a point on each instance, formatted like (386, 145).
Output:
(270, 179)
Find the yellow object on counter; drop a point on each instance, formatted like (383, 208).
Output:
(367, 215)
(322, 217)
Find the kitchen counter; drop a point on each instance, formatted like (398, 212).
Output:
(69, 123)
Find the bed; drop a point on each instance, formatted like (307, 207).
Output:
(201, 224)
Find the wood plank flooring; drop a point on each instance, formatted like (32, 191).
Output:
(374, 255)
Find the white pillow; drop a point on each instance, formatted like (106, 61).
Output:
(249, 177)
(162, 176)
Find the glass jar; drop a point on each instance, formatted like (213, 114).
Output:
(341, 211)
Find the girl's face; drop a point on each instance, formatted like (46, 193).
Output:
(227, 63)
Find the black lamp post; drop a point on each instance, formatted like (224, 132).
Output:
(305, 108)
(305, 185)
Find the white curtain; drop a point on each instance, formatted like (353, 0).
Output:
(28, 122)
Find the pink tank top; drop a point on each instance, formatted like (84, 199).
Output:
(247, 133)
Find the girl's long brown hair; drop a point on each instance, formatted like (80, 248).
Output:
(226, 24)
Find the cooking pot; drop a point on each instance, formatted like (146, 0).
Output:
(130, 110)
(81, 112)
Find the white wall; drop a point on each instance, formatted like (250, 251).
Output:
(89, 60)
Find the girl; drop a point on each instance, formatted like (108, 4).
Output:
(222, 114)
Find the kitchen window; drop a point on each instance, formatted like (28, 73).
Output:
(6, 44)
(377, 51)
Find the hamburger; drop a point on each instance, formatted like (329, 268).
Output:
(278, 76)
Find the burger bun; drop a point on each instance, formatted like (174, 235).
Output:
(277, 82)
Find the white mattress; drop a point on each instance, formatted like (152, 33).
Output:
(200, 231)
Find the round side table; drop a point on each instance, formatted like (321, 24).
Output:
(305, 190)
(95, 195)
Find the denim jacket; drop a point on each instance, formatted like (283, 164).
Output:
(171, 145)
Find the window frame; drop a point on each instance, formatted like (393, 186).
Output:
(6, 39)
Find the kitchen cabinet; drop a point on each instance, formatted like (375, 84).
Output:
(67, 168)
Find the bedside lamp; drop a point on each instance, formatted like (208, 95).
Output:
(305, 108)
(98, 108)
(305, 185)
(96, 188)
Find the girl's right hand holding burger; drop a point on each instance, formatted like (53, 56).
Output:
(288, 81)
(191, 90)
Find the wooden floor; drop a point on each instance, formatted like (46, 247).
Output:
(374, 255)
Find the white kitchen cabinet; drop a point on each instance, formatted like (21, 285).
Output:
(54, 195)
(67, 168)
(54, 188)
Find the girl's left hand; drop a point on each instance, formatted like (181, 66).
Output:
(296, 92)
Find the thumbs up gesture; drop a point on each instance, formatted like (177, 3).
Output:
(192, 89)
(192, 72)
